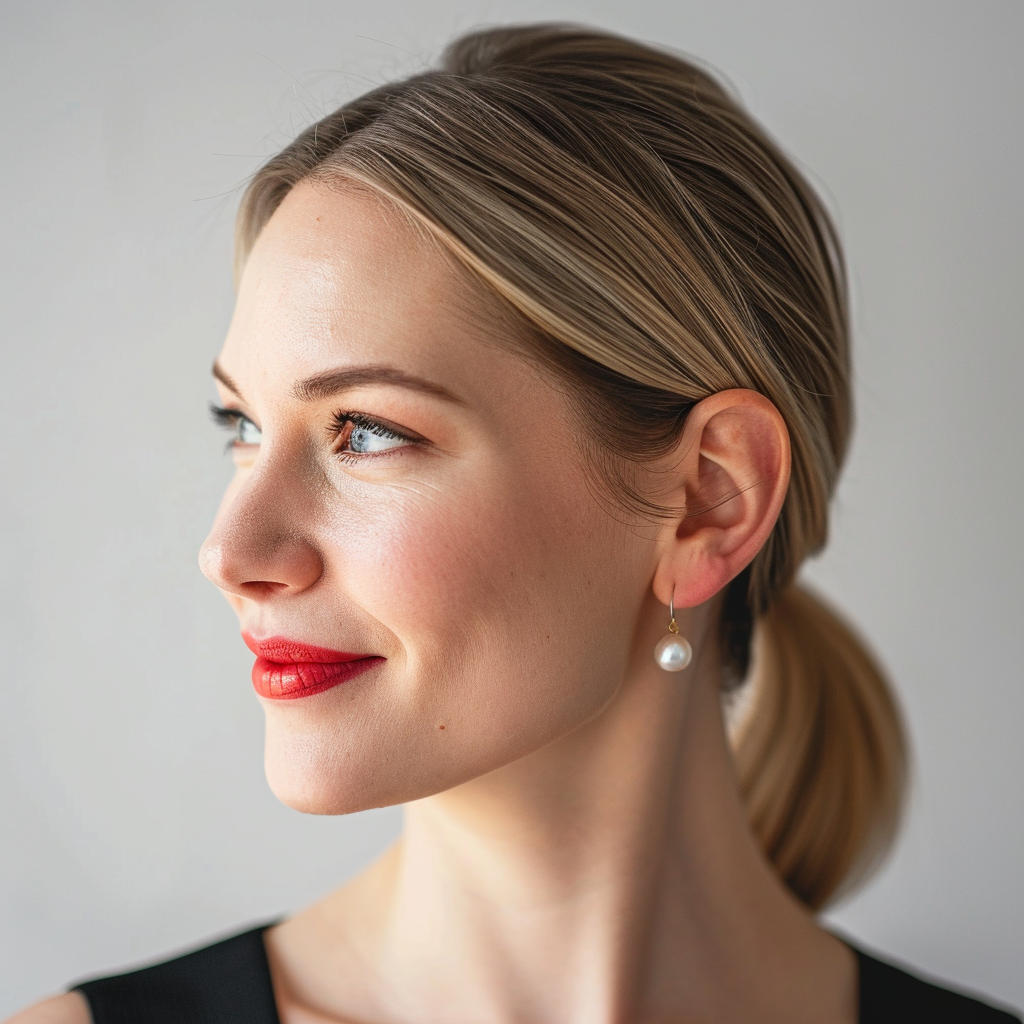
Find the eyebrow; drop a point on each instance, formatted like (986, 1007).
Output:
(226, 379)
(331, 382)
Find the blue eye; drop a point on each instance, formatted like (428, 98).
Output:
(364, 440)
(354, 435)
(359, 436)
(243, 428)
(247, 432)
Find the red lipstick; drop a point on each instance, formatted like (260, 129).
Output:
(286, 669)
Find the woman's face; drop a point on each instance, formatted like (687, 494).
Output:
(447, 528)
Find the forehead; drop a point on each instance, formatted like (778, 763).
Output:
(338, 276)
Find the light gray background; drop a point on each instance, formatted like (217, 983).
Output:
(135, 818)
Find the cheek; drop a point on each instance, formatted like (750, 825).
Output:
(491, 600)
(468, 574)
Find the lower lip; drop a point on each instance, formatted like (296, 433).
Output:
(278, 681)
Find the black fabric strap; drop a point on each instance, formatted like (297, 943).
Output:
(889, 995)
(226, 983)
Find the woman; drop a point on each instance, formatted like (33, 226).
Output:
(538, 381)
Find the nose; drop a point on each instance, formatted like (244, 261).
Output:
(260, 544)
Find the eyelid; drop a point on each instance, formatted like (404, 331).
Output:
(362, 419)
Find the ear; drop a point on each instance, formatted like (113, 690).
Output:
(730, 472)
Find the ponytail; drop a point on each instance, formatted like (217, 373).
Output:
(820, 752)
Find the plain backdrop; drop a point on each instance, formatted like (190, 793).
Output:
(134, 816)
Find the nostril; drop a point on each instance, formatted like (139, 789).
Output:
(260, 589)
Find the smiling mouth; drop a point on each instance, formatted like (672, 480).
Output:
(288, 669)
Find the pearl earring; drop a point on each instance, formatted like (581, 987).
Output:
(673, 652)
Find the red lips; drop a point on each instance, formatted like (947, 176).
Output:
(286, 669)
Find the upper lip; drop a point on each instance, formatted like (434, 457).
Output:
(283, 651)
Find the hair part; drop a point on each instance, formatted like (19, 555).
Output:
(654, 246)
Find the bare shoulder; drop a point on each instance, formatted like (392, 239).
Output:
(69, 1008)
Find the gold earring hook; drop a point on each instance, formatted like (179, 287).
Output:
(672, 627)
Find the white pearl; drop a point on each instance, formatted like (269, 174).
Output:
(673, 652)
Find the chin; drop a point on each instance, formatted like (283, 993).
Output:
(322, 774)
(297, 793)
(312, 777)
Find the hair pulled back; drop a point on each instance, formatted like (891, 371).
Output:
(660, 248)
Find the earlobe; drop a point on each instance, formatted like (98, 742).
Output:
(732, 466)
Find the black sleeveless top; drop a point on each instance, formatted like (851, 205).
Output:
(229, 983)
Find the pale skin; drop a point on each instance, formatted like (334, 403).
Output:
(575, 848)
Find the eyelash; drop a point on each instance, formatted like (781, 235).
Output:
(230, 418)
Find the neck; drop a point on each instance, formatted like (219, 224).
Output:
(611, 876)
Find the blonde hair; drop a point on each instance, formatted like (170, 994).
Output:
(659, 248)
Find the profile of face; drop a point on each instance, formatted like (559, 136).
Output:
(408, 489)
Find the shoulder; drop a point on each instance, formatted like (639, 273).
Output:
(892, 992)
(69, 1008)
